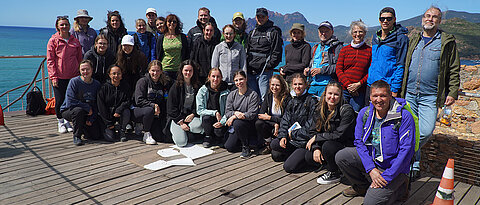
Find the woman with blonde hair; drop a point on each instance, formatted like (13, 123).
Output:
(82, 31)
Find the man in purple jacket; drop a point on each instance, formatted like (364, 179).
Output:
(384, 146)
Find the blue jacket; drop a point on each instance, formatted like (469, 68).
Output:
(388, 58)
(397, 140)
(146, 43)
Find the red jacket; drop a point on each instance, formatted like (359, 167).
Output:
(353, 64)
(63, 57)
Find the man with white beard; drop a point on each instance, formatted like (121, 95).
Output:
(431, 77)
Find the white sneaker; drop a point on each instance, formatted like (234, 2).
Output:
(148, 138)
(68, 126)
(61, 127)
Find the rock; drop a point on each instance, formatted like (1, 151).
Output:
(470, 119)
(473, 84)
(470, 68)
(475, 127)
(462, 102)
(473, 105)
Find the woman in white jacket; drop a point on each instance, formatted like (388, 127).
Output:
(229, 56)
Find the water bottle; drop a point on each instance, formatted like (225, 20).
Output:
(446, 115)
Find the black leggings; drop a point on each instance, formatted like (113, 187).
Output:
(60, 92)
(294, 157)
(215, 133)
(241, 136)
(78, 117)
(264, 129)
(152, 124)
(329, 149)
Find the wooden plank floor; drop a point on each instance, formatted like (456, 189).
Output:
(40, 166)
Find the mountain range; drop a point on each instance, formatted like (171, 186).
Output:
(465, 26)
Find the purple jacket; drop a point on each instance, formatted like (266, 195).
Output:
(397, 144)
(87, 39)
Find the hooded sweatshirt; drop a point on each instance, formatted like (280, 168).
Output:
(63, 58)
(113, 99)
(264, 46)
(201, 52)
(100, 63)
(197, 31)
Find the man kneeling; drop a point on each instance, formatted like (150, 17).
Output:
(384, 146)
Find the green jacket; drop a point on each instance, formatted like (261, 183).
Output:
(449, 72)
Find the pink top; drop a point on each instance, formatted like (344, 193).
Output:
(63, 57)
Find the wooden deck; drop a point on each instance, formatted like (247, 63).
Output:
(38, 165)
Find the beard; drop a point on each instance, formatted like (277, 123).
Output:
(428, 27)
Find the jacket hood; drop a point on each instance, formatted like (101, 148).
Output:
(333, 41)
(396, 106)
(267, 25)
(212, 20)
(223, 86)
(399, 30)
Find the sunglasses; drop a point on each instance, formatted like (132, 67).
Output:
(62, 17)
(172, 21)
(382, 19)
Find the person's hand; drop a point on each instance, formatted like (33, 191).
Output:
(239, 115)
(184, 127)
(305, 71)
(449, 101)
(353, 87)
(275, 129)
(310, 142)
(116, 115)
(111, 127)
(88, 123)
(283, 143)
(90, 112)
(218, 116)
(264, 117)
(157, 109)
(230, 120)
(394, 94)
(281, 71)
(314, 71)
(189, 118)
(377, 180)
(217, 125)
(317, 156)
(54, 83)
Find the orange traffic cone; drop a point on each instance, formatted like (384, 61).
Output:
(445, 189)
(2, 122)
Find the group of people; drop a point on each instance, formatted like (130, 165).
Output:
(331, 106)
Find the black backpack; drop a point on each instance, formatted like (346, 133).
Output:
(35, 102)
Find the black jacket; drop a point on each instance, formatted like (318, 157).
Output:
(342, 127)
(266, 107)
(176, 98)
(114, 38)
(100, 63)
(185, 53)
(201, 52)
(299, 109)
(297, 57)
(263, 41)
(197, 31)
(149, 93)
(111, 100)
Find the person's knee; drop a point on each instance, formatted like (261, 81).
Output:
(259, 125)
(278, 156)
(289, 168)
(341, 157)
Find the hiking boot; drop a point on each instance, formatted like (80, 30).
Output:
(68, 126)
(61, 128)
(246, 153)
(77, 141)
(350, 192)
(149, 139)
(329, 178)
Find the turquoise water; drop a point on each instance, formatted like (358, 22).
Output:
(33, 41)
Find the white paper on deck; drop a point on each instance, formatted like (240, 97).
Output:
(195, 151)
(169, 152)
(182, 162)
(160, 164)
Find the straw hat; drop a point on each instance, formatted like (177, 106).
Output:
(83, 13)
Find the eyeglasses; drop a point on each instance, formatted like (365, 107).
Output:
(382, 19)
(62, 17)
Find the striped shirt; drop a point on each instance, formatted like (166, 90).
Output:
(353, 64)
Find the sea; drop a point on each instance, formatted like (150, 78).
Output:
(18, 41)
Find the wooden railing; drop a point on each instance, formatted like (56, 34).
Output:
(43, 78)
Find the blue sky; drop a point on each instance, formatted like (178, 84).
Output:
(340, 12)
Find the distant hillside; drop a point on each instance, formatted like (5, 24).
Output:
(465, 26)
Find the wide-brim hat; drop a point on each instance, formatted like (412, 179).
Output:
(297, 26)
(83, 13)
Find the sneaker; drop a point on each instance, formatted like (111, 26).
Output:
(138, 129)
(123, 136)
(246, 153)
(68, 126)
(77, 141)
(129, 128)
(148, 138)
(329, 178)
(351, 192)
(207, 144)
(61, 127)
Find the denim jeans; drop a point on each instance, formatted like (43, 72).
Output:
(424, 106)
(357, 102)
(259, 83)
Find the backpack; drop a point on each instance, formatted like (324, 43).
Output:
(35, 102)
(399, 123)
(149, 43)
